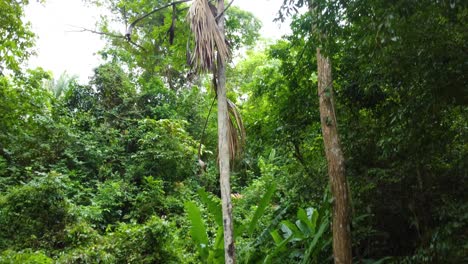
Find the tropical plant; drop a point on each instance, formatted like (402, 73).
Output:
(212, 251)
(301, 241)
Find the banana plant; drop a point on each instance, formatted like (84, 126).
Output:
(214, 252)
(308, 231)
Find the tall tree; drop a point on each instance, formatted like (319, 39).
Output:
(207, 24)
(336, 170)
(336, 166)
(211, 51)
(341, 222)
(208, 28)
(223, 146)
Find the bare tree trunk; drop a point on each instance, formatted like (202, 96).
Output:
(223, 145)
(336, 170)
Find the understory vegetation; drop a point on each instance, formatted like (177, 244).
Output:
(107, 171)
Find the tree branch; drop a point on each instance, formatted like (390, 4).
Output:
(132, 25)
(82, 29)
(137, 45)
(225, 9)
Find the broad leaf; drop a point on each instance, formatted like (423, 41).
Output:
(197, 229)
(261, 208)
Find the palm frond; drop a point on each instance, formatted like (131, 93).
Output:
(208, 38)
(236, 131)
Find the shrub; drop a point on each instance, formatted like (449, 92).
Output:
(27, 257)
(35, 214)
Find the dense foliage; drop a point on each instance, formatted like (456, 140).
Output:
(16, 37)
(107, 171)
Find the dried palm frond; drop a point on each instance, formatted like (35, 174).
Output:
(236, 131)
(208, 37)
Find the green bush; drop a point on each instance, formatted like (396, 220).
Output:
(150, 200)
(165, 151)
(34, 215)
(113, 198)
(151, 242)
(24, 257)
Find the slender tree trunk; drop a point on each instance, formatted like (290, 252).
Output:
(336, 170)
(223, 145)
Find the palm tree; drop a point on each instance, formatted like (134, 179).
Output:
(211, 54)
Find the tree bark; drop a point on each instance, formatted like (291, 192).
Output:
(336, 170)
(223, 145)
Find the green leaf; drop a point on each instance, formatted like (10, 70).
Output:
(197, 229)
(303, 222)
(261, 208)
(276, 236)
(217, 252)
(308, 217)
(312, 246)
(303, 227)
(213, 206)
(291, 229)
(219, 238)
(279, 246)
(313, 215)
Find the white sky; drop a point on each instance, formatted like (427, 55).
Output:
(60, 50)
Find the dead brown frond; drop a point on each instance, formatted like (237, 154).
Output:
(208, 37)
(236, 131)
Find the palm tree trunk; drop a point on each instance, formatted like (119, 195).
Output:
(336, 169)
(223, 145)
